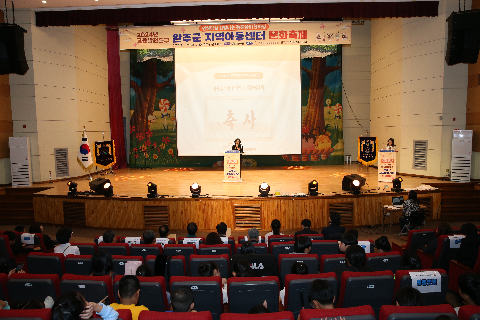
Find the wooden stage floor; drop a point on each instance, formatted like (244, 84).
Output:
(176, 181)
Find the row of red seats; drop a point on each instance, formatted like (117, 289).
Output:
(357, 288)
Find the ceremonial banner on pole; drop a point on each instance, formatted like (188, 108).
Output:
(84, 157)
(367, 150)
(105, 153)
(238, 34)
(387, 166)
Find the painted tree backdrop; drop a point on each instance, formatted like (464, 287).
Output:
(153, 123)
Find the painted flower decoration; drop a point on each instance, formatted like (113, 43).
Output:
(163, 105)
(162, 146)
(338, 108)
(155, 156)
(170, 151)
(165, 140)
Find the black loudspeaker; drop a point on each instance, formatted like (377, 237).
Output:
(12, 52)
(463, 42)
(347, 181)
(97, 185)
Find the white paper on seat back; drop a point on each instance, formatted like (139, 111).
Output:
(251, 93)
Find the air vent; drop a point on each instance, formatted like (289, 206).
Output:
(74, 214)
(420, 148)
(155, 216)
(346, 212)
(247, 216)
(61, 162)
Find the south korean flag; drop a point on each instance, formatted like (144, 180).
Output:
(84, 156)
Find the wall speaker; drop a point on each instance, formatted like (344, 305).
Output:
(463, 42)
(347, 181)
(12, 52)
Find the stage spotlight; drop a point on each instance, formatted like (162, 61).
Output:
(108, 189)
(72, 189)
(313, 188)
(397, 184)
(195, 189)
(98, 184)
(152, 190)
(264, 189)
(355, 186)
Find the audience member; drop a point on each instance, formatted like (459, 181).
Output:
(382, 244)
(443, 229)
(348, 239)
(409, 206)
(20, 229)
(468, 252)
(149, 237)
(253, 235)
(275, 225)
(211, 269)
(303, 245)
(163, 231)
(222, 229)
(410, 261)
(7, 265)
(47, 241)
(29, 305)
(182, 300)
(262, 265)
(129, 293)
(321, 295)
(144, 270)
(213, 238)
(192, 230)
(63, 237)
(241, 268)
(334, 229)
(353, 232)
(297, 268)
(261, 308)
(355, 259)
(16, 246)
(102, 264)
(469, 288)
(109, 237)
(72, 305)
(408, 297)
(305, 224)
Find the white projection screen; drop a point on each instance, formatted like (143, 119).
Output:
(251, 93)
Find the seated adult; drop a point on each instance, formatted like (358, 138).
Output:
(72, 305)
(275, 225)
(469, 288)
(192, 230)
(16, 246)
(355, 260)
(262, 265)
(149, 237)
(20, 229)
(409, 206)
(213, 238)
(383, 245)
(321, 295)
(109, 237)
(305, 224)
(222, 229)
(63, 237)
(47, 241)
(410, 261)
(297, 268)
(442, 229)
(241, 268)
(145, 270)
(253, 235)
(408, 297)
(347, 240)
(303, 245)
(211, 269)
(468, 252)
(182, 300)
(353, 232)
(102, 264)
(163, 231)
(334, 229)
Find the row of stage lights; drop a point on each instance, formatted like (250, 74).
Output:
(105, 188)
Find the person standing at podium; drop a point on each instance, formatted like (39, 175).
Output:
(238, 145)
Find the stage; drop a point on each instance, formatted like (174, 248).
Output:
(237, 204)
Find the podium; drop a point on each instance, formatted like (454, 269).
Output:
(231, 166)
(387, 165)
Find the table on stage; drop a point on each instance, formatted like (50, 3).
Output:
(389, 211)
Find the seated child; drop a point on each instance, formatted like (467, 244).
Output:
(129, 292)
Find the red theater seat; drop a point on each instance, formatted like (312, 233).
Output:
(382, 261)
(260, 248)
(120, 261)
(278, 248)
(92, 288)
(442, 256)
(245, 293)
(321, 247)
(215, 249)
(469, 313)
(78, 264)
(416, 239)
(36, 314)
(145, 250)
(24, 286)
(121, 249)
(329, 262)
(355, 313)
(86, 248)
(46, 263)
(280, 238)
(153, 315)
(388, 312)
(3, 285)
(151, 289)
(285, 262)
(221, 260)
(403, 279)
(284, 315)
(314, 236)
(456, 269)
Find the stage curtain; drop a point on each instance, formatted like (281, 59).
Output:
(142, 16)
(115, 97)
